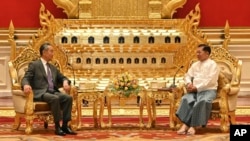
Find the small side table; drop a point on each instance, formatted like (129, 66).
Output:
(109, 95)
(162, 94)
(91, 95)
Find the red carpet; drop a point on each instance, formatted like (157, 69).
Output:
(123, 128)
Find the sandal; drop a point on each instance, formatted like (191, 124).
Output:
(191, 131)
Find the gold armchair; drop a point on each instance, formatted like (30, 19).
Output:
(24, 105)
(224, 106)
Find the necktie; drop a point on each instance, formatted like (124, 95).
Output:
(50, 80)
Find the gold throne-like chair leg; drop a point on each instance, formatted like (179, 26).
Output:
(224, 122)
(74, 117)
(151, 122)
(141, 123)
(232, 117)
(29, 124)
(17, 122)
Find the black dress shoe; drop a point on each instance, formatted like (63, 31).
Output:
(59, 132)
(67, 130)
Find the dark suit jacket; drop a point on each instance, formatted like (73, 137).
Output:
(36, 77)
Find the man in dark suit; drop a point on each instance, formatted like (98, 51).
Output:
(43, 78)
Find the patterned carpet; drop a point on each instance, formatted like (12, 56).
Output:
(123, 129)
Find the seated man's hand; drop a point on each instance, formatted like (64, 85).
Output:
(191, 88)
(66, 86)
(27, 89)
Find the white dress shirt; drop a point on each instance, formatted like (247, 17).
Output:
(44, 65)
(205, 75)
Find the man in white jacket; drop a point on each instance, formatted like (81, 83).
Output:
(201, 84)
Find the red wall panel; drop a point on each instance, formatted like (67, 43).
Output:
(25, 13)
(214, 13)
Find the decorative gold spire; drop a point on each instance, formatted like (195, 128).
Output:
(70, 7)
(226, 35)
(12, 41)
(170, 6)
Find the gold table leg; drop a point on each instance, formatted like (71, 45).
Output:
(109, 109)
(95, 99)
(101, 112)
(109, 112)
(95, 113)
(141, 124)
(161, 95)
(102, 124)
(171, 111)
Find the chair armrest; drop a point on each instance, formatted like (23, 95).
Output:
(74, 92)
(23, 103)
(18, 93)
(233, 90)
(29, 107)
(228, 98)
(17, 90)
(16, 86)
(223, 92)
(235, 84)
(223, 99)
(237, 76)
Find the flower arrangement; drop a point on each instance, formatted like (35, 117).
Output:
(125, 84)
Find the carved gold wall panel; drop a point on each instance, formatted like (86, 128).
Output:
(101, 48)
(120, 9)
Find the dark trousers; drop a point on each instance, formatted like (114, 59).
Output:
(60, 104)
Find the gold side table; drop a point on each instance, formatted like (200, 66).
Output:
(110, 95)
(162, 94)
(92, 95)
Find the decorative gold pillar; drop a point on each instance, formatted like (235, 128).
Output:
(155, 7)
(85, 10)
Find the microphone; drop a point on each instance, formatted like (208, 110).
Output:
(173, 85)
(192, 79)
(74, 82)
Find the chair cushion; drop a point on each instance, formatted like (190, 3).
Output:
(41, 106)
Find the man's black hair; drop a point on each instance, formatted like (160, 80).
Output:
(43, 47)
(205, 48)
